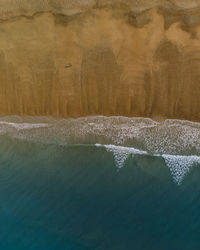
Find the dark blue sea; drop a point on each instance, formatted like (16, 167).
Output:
(99, 183)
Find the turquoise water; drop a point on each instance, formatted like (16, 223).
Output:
(56, 193)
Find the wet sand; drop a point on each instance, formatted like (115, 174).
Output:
(77, 59)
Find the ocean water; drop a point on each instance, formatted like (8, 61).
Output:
(99, 183)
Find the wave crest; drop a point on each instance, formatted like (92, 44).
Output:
(179, 165)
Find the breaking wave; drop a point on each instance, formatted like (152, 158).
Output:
(177, 142)
(179, 165)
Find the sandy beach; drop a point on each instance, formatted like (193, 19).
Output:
(72, 58)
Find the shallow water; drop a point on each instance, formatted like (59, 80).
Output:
(98, 183)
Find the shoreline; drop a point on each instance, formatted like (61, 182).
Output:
(158, 119)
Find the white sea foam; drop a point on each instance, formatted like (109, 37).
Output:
(171, 139)
(180, 165)
(121, 153)
(167, 137)
(23, 126)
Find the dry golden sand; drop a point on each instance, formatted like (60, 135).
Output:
(131, 58)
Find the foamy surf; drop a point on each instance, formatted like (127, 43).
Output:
(179, 165)
(121, 153)
(177, 142)
(23, 126)
(171, 137)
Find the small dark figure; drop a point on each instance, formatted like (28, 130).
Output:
(68, 66)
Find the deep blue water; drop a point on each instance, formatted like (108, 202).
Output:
(55, 197)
